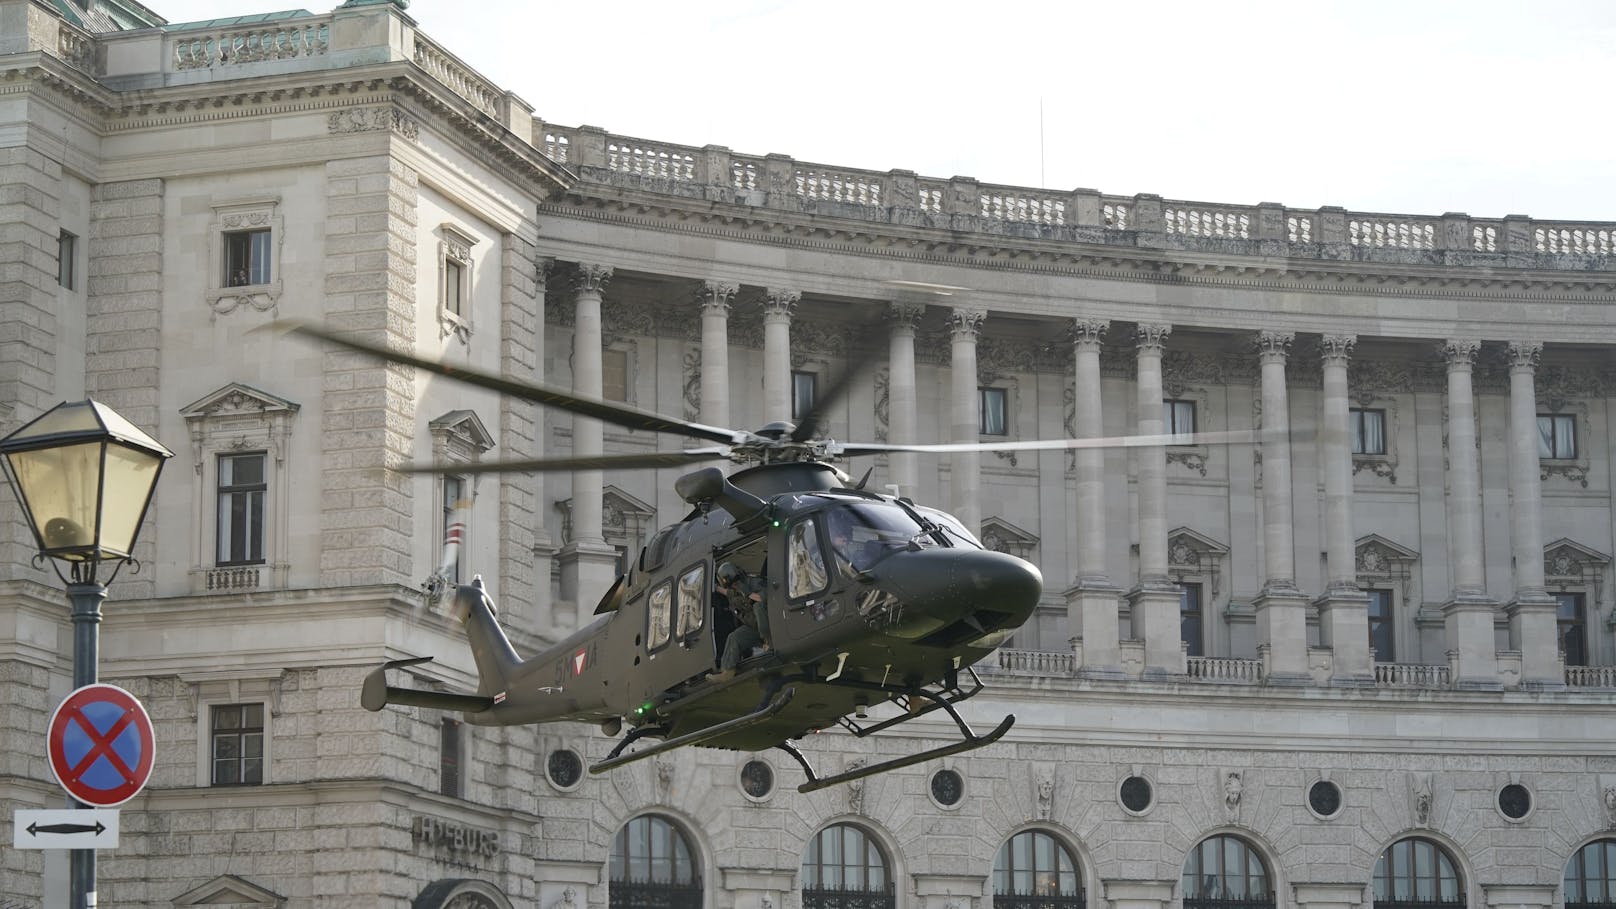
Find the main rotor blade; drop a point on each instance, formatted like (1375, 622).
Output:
(588, 462)
(810, 424)
(1237, 437)
(605, 411)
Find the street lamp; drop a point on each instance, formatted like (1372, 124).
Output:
(84, 476)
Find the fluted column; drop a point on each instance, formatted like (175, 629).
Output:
(965, 325)
(1155, 601)
(777, 308)
(716, 298)
(1532, 614)
(588, 565)
(1092, 602)
(902, 416)
(1343, 608)
(1468, 616)
(1281, 607)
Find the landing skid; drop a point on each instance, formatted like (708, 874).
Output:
(617, 758)
(939, 701)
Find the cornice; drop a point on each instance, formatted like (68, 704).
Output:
(1085, 260)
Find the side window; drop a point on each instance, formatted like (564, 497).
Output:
(692, 600)
(659, 618)
(807, 572)
(244, 258)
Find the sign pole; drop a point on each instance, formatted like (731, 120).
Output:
(86, 600)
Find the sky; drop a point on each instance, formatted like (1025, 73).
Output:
(1419, 106)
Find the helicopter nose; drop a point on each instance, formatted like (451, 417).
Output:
(938, 587)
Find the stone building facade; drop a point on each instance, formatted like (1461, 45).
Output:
(1360, 645)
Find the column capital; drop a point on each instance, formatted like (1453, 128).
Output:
(543, 267)
(592, 278)
(1151, 337)
(1460, 355)
(902, 315)
(1273, 346)
(717, 296)
(1337, 349)
(780, 302)
(1523, 356)
(1089, 334)
(965, 322)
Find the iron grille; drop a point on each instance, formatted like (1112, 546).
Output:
(848, 898)
(1214, 903)
(1444, 904)
(1030, 901)
(654, 895)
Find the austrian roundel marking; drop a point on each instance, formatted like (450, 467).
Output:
(100, 745)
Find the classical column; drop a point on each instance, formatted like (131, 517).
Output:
(1343, 608)
(777, 307)
(965, 324)
(715, 298)
(1281, 607)
(902, 417)
(1468, 616)
(1092, 603)
(1532, 614)
(1155, 601)
(588, 565)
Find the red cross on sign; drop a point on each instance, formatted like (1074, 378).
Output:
(100, 745)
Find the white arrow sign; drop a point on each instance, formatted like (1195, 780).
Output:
(65, 828)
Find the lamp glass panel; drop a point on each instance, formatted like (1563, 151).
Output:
(60, 488)
(131, 473)
(75, 417)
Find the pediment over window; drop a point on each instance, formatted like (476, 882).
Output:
(461, 893)
(1191, 551)
(237, 399)
(460, 433)
(232, 891)
(1377, 555)
(624, 519)
(1565, 559)
(1000, 535)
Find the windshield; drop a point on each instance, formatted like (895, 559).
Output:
(862, 533)
(952, 529)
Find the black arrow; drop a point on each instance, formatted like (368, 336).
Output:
(36, 830)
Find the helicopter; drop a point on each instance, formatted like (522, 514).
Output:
(871, 598)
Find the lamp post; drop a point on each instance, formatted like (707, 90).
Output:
(84, 476)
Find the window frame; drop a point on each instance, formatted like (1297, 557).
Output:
(455, 264)
(798, 378)
(67, 259)
(1194, 648)
(236, 217)
(1007, 896)
(656, 639)
(245, 255)
(983, 426)
(1579, 602)
(1386, 623)
(819, 893)
(1249, 851)
(1358, 417)
(452, 737)
(681, 855)
(1607, 875)
(607, 354)
(806, 528)
(1549, 451)
(696, 607)
(1441, 855)
(1171, 408)
(212, 712)
(257, 505)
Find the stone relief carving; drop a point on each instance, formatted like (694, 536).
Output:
(1046, 798)
(372, 119)
(1609, 799)
(692, 390)
(1419, 785)
(664, 774)
(1233, 787)
(883, 401)
(620, 320)
(855, 789)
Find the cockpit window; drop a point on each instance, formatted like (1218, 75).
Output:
(807, 571)
(863, 533)
(952, 529)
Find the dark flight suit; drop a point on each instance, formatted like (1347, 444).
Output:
(753, 617)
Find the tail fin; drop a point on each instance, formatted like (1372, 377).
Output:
(491, 650)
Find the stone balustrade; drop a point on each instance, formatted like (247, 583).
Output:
(235, 578)
(76, 47)
(458, 77)
(1411, 675)
(1590, 676)
(1037, 662)
(1225, 670)
(223, 48)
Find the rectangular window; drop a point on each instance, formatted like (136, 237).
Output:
(1381, 636)
(241, 509)
(1368, 431)
(659, 617)
(614, 375)
(1573, 629)
(238, 744)
(1191, 627)
(1178, 418)
(450, 781)
(246, 258)
(992, 405)
(454, 524)
(67, 247)
(804, 393)
(454, 286)
(1556, 436)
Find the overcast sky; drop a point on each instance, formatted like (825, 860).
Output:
(1416, 106)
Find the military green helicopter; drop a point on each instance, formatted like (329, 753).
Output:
(871, 599)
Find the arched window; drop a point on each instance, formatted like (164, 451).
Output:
(1036, 871)
(1416, 873)
(653, 867)
(1590, 877)
(846, 869)
(1223, 871)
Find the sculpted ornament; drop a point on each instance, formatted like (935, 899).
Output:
(1274, 346)
(1233, 787)
(372, 119)
(1088, 334)
(1523, 355)
(592, 279)
(1420, 788)
(1337, 349)
(780, 303)
(1046, 798)
(1460, 355)
(1610, 806)
(1152, 336)
(717, 296)
(966, 323)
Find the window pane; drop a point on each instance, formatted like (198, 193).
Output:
(1565, 437)
(692, 599)
(661, 616)
(252, 771)
(66, 251)
(807, 568)
(614, 375)
(993, 403)
(1545, 437)
(454, 277)
(804, 394)
(1191, 629)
